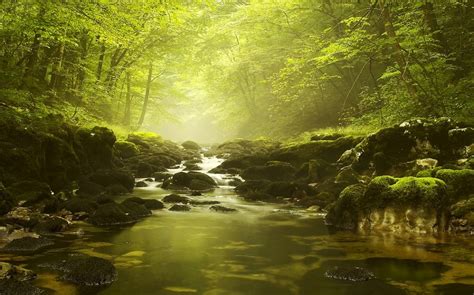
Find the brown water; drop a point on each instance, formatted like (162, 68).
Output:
(261, 249)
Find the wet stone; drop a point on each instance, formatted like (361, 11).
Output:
(222, 209)
(180, 207)
(27, 244)
(14, 287)
(354, 274)
(86, 270)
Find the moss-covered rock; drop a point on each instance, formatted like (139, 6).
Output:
(190, 181)
(27, 245)
(135, 209)
(76, 205)
(439, 139)
(327, 150)
(112, 214)
(346, 212)
(15, 287)
(191, 145)
(273, 170)
(462, 216)
(394, 204)
(125, 149)
(107, 178)
(180, 207)
(30, 191)
(51, 225)
(173, 198)
(460, 182)
(85, 270)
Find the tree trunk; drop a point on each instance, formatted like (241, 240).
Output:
(81, 75)
(101, 61)
(432, 23)
(32, 60)
(147, 95)
(128, 102)
(398, 52)
(57, 67)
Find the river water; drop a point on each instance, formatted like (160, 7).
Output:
(261, 249)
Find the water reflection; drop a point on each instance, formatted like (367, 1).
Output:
(261, 249)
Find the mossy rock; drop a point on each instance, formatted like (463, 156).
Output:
(27, 245)
(192, 180)
(126, 149)
(76, 205)
(14, 287)
(112, 214)
(51, 225)
(97, 144)
(107, 178)
(345, 212)
(357, 202)
(327, 150)
(460, 182)
(173, 198)
(407, 191)
(86, 270)
(135, 209)
(274, 170)
(30, 191)
(191, 145)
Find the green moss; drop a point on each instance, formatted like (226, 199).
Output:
(425, 191)
(126, 149)
(460, 182)
(346, 211)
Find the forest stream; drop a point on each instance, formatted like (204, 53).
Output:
(261, 248)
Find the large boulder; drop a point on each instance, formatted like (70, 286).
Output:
(112, 214)
(76, 205)
(327, 150)
(195, 181)
(97, 144)
(150, 204)
(441, 139)
(30, 191)
(395, 204)
(110, 181)
(274, 171)
(125, 149)
(191, 145)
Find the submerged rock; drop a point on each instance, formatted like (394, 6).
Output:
(141, 184)
(51, 225)
(354, 274)
(222, 209)
(180, 207)
(151, 204)
(27, 244)
(173, 198)
(14, 287)
(86, 270)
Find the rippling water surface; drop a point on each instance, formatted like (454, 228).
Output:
(261, 249)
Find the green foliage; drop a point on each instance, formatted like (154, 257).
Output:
(274, 68)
